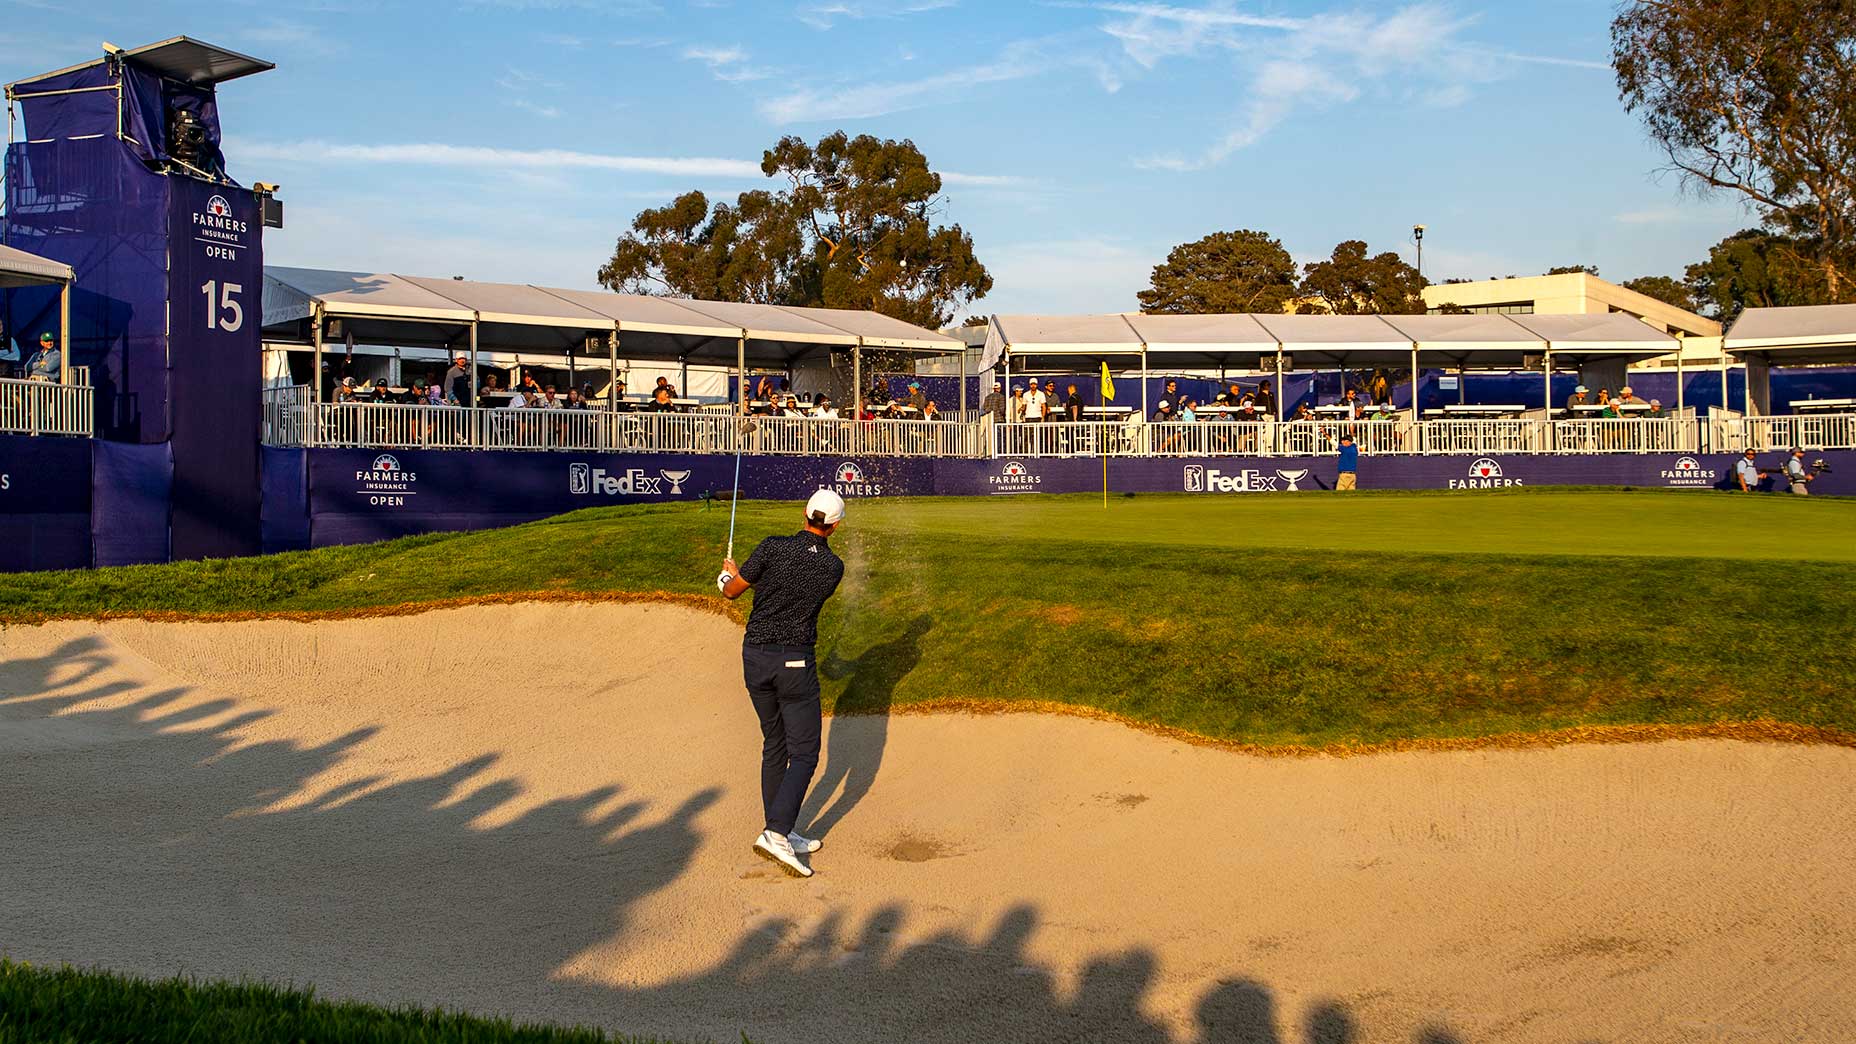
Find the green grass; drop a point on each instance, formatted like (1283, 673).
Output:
(1261, 619)
(67, 1005)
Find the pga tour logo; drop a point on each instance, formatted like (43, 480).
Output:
(849, 481)
(1200, 479)
(1484, 473)
(632, 482)
(1014, 478)
(385, 483)
(1688, 471)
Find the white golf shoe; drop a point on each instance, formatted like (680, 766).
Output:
(804, 845)
(777, 848)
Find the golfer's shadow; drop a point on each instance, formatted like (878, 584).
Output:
(860, 723)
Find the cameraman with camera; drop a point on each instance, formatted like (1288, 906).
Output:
(1796, 475)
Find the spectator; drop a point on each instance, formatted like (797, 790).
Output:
(1604, 397)
(1036, 404)
(825, 409)
(381, 394)
(1053, 403)
(1018, 404)
(1266, 401)
(993, 404)
(548, 399)
(1656, 408)
(346, 392)
(1349, 463)
(1303, 413)
(1235, 394)
(522, 400)
(1248, 414)
(491, 386)
(1576, 399)
(418, 395)
(1796, 477)
(879, 393)
(1380, 388)
(1747, 473)
(663, 383)
(763, 391)
(456, 381)
(1186, 413)
(930, 411)
(916, 398)
(435, 396)
(1382, 411)
(47, 363)
(1351, 400)
(619, 405)
(1171, 392)
(576, 400)
(1163, 410)
(529, 384)
(1073, 405)
(1628, 396)
(660, 399)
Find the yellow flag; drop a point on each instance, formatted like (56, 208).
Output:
(1108, 385)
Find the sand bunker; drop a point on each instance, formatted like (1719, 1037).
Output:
(545, 811)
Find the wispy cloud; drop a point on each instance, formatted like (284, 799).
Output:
(826, 15)
(481, 157)
(950, 177)
(1541, 59)
(1019, 60)
(728, 64)
(1304, 63)
(547, 112)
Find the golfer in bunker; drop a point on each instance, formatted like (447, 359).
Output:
(791, 578)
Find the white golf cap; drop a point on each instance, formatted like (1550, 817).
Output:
(827, 503)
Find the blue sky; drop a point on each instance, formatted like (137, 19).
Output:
(515, 139)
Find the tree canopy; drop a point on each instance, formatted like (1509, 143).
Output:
(1352, 283)
(1758, 98)
(1664, 288)
(1570, 269)
(853, 228)
(1241, 271)
(1754, 268)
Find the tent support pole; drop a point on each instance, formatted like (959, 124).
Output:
(64, 333)
(1746, 374)
(1680, 381)
(473, 364)
(741, 371)
(1414, 385)
(315, 341)
(1280, 399)
(857, 380)
(612, 362)
(1010, 414)
(1724, 399)
(963, 380)
(1546, 389)
(1144, 411)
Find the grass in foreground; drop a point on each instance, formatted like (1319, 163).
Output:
(65, 1004)
(1266, 620)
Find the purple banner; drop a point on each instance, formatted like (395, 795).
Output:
(215, 311)
(363, 495)
(44, 503)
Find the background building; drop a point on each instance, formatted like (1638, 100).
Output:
(1580, 293)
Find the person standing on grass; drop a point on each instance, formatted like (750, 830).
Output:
(1349, 463)
(792, 577)
(1796, 477)
(1747, 473)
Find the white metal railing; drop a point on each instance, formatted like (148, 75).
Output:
(1481, 436)
(1806, 431)
(292, 422)
(1321, 438)
(45, 408)
(1681, 434)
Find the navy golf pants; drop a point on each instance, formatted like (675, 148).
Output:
(782, 680)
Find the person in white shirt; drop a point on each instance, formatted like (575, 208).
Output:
(1036, 404)
(548, 400)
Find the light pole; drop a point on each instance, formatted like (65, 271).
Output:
(1417, 236)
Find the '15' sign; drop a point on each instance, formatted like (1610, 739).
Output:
(225, 313)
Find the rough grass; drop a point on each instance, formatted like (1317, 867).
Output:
(68, 1005)
(1267, 620)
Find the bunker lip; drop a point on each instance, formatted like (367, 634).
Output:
(1759, 730)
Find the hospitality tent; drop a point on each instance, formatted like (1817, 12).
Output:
(1805, 335)
(1042, 342)
(20, 269)
(309, 305)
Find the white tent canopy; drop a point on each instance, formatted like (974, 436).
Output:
(18, 268)
(1798, 335)
(1477, 341)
